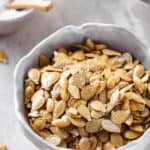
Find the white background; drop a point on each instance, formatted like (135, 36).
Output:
(131, 14)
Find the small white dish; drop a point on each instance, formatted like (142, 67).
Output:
(117, 38)
(11, 20)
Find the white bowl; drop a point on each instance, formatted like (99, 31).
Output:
(12, 20)
(117, 38)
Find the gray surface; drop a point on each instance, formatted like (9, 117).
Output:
(130, 14)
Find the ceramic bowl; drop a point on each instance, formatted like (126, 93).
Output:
(117, 37)
(12, 20)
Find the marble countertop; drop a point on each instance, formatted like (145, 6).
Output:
(131, 14)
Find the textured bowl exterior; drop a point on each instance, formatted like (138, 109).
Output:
(117, 38)
(8, 26)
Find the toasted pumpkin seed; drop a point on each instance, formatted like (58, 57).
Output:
(110, 126)
(131, 135)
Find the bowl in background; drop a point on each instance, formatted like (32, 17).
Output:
(11, 20)
(116, 37)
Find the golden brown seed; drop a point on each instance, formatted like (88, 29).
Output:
(128, 58)
(112, 81)
(65, 74)
(103, 97)
(71, 102)
(137, 128)
(50, 68)
(116, 140)
(96, 83)
(46, 115)
(59, 109)
(55, 92)
(43, 61)
(93, 126)
(129, 121)
(62, 50)
(148, 88)
(89, 43)
(139, 84)
(100, 46)
(3, 57)
(34, 75)
(76, 145)
(61, 123)
(124, 75)
(63, 82)
(77, 103)
(110, 52)
(88, 92)
(39, 124)
(137, 119)
(73, 131)
(63, 88)
(64, 94)
(104, 60)
(84, 112)
(98, 106)
(138, 71)
(77, 122)
(29, 91)
(60, 132)
(46, 94)
(45, 134)
(82, 47)
(82, 132)
(93, 142)
(103, 136)
(34, 114)
(78, 80)
(97, 114)
(134, 97)
(108, 146)
(91, 55)
(136, 106)
(95, 77)
(126, 88)
(125, 104)
(131, 135)
(123, 84)
(109, 126)
(63, 144)
(147, 102)
(61, 59)
(29, 82)
(98, 148)
(38, 100)
(74, 91)
(50, 105)
(114, 100)
(48, 79)
(116, 62)
(120, 116)
(84, 144)
(3, 147)
(73, 111)
(147, 120)
(78, 55)
(54, 139)
(144, 113)
(145, 78)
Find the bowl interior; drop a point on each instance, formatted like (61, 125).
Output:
(115, 37)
